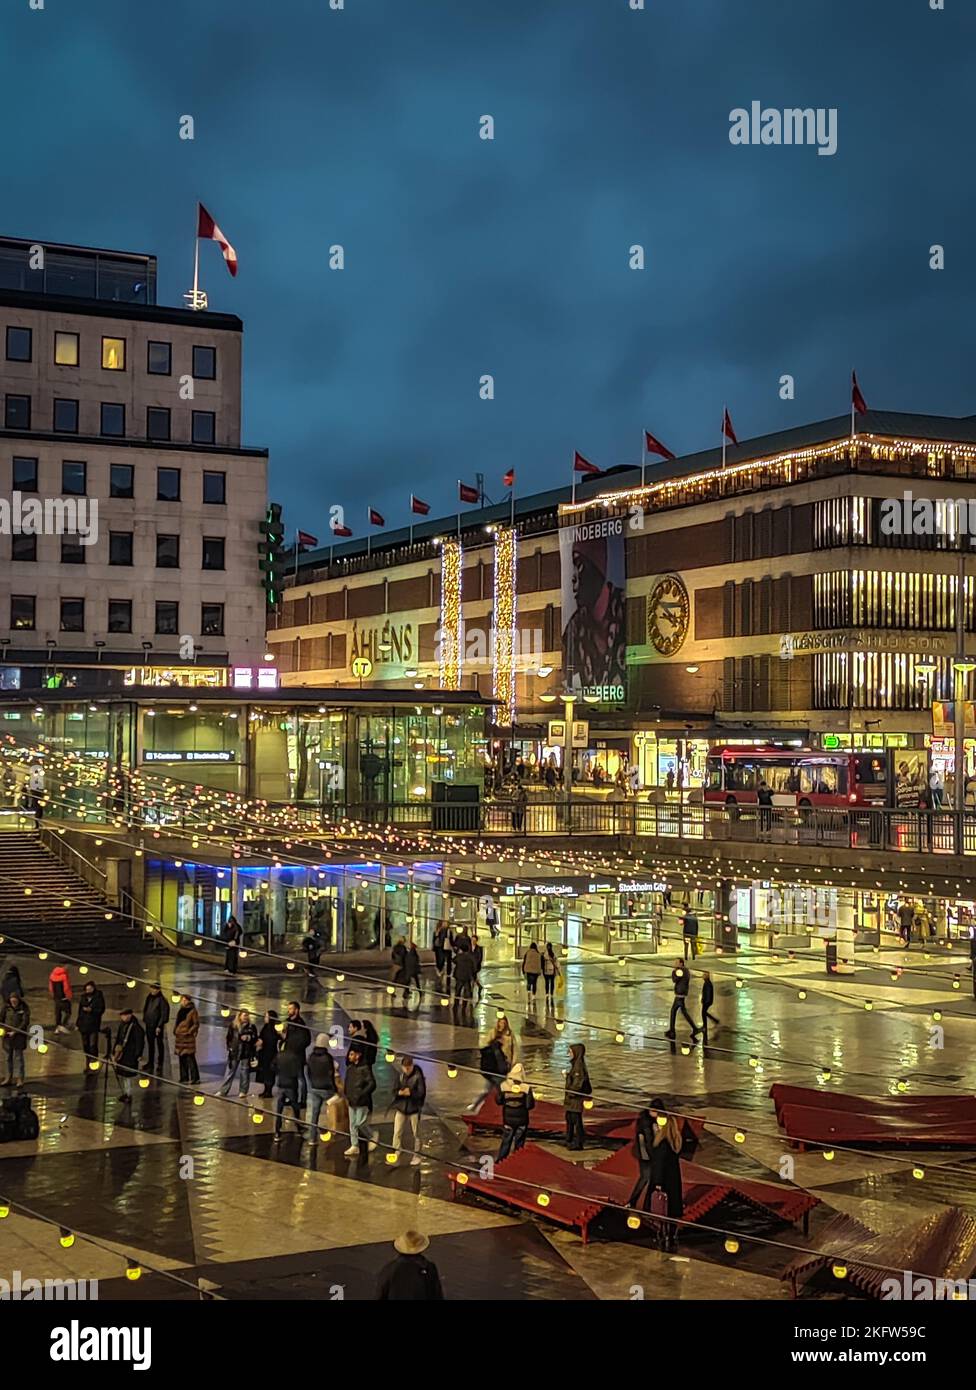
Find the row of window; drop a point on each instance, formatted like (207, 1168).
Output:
(878, 598)
(74, 481)
(64, 420)
(23, 614)
(67, 353)
(857, 521)
(879, 680)
(120, 550)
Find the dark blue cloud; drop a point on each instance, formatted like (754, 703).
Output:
(465, 257)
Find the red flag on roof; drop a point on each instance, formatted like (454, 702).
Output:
(374, 517)
(582, 465)
(727, 429)
(421, 508)
(209, 231)
(857, 400)
(467, 493)
(508, 479)
(654, 446)
(306, 542)
(341, 531)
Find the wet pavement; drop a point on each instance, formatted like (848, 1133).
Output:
(203, 1197)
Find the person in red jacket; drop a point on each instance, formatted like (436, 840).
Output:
(59, 988)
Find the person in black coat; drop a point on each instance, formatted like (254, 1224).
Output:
(366, 1038)
(233, 936)
(267, 1047)
(11, 983)
(707, 999)
(515, 1095)
(155, 1016)
(91, 1007)
(409, 1097)
(657, 1148)
(465, 974)
(443, 952)
(359, 1085)
(289, 1068)
(400, 969)
(297, 1039)
(411, 1277)
(130, 1041)
(681, 979)
(414, 968)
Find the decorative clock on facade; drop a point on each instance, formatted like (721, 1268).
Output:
(668, 615)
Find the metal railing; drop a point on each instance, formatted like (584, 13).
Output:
(73, 859)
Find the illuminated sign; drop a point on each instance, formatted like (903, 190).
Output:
(543, 890)
(217, 756)
(394, 644)
(250, 677)
(632, 886)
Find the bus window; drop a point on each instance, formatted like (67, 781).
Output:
(714, 774)
(777, 777)
(870, 769)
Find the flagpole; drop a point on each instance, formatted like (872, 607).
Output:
(725, 411)
(296, 554)
(574, 480)
(643, 455)
(511, 515)
(369, 535)
(852, 403)
(196, 257)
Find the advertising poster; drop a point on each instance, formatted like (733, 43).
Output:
(594, 608)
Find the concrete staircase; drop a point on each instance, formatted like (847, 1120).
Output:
(41, 916)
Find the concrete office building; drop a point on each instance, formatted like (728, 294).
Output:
(121, 437)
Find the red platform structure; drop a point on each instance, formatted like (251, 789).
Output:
(547, 1119)
(833, 1117)
(578, 1195)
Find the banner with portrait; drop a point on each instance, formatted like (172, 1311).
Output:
(594, 608)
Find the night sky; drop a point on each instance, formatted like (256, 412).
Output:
(510, 257)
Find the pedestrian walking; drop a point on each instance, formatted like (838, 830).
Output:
(359, 1085)
(491, 921)
(233, 936)
(130, 1040)
(681, 980)
(764, 800)
(59, 988)
(517, 1101)
(267, 1048)
(689, 931)
(155, 1016)
(399, 969)
(578, 1087)
(550, 970)
(411, 1277)
(408, 1102)
(532, 967)
(312, 946)
(707, 999)
(443, 953)
(91, 1007)
(242, 1042)
(465, 974)
(185, 1031)
(321, 1086)
(15, 1022)
(478, 954)
(414, 973)
(658, 1143)
(288, 1069)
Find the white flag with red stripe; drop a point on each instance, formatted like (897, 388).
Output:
(209, 231)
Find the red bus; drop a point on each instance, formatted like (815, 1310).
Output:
(802, 777)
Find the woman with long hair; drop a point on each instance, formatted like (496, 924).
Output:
(657, 1147)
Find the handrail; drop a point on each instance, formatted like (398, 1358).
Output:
(94, 876)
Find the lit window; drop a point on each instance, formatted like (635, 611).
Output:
(66, 349)
(113, 354)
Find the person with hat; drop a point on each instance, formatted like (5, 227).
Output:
(321, 1078)
(411, 1277)
(130, 1039)
(155, 1016)
(267, 1047)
